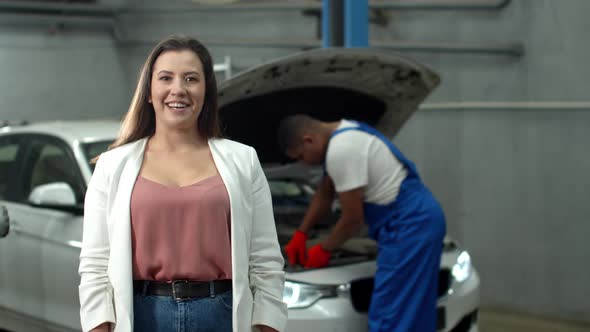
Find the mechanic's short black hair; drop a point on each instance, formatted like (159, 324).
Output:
(291, 128)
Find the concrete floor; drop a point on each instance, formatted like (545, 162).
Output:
(491, 320)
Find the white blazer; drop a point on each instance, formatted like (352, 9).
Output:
(106, 285)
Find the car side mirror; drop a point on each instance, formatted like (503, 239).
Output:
(57, 194)
(4, 222)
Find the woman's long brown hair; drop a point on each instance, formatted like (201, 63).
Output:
(140, 121)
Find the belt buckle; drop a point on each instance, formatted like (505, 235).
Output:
(174, 283)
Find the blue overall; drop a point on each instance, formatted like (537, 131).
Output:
(409, 232)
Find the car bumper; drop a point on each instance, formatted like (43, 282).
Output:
(327, 315)
(338, 314)
(461, 305)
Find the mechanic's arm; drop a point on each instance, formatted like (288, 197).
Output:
(320, 205)
(351, 220)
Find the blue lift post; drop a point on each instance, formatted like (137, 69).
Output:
(345, 23)
(356, 23)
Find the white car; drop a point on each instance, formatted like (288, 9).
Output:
(44, 170)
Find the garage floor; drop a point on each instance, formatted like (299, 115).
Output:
(498, 321)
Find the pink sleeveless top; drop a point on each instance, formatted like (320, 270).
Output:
(181, 232)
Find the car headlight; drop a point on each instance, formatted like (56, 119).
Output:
(298, 295)
(462, 268)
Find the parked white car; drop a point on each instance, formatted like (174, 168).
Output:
(44, 170)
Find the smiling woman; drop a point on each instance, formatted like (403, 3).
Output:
(195, 60)
(168, 237)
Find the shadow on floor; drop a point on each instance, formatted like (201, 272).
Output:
(494, 320)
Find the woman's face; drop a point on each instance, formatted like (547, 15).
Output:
(177, 89)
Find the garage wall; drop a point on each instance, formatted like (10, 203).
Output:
(514, 182)
(515, 187)
(53, 75)
(239, 34)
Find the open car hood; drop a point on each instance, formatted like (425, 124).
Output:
(376, 87)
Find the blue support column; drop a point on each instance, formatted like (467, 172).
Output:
(326, 23)
(356, 23)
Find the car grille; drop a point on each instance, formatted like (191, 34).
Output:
(360, 290)
(466, 323)
(444, 282)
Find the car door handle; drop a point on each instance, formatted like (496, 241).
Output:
(4, 222)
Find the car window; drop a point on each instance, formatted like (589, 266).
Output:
(52, 163)
(93, 150)
(8, 155)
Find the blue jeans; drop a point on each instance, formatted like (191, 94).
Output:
(165, 314)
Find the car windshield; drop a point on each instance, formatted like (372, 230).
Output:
(94, 149)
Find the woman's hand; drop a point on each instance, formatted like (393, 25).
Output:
(104, 327)
(264, 328)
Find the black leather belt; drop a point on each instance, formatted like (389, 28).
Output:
(182, 289)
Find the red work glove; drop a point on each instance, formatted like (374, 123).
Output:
(317, 256)
(296, 248)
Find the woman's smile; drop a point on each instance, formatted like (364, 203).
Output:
(177, 89)
(178, 107)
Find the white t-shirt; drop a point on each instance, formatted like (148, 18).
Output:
(357, 159)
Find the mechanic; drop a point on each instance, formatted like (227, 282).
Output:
(375, 184)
